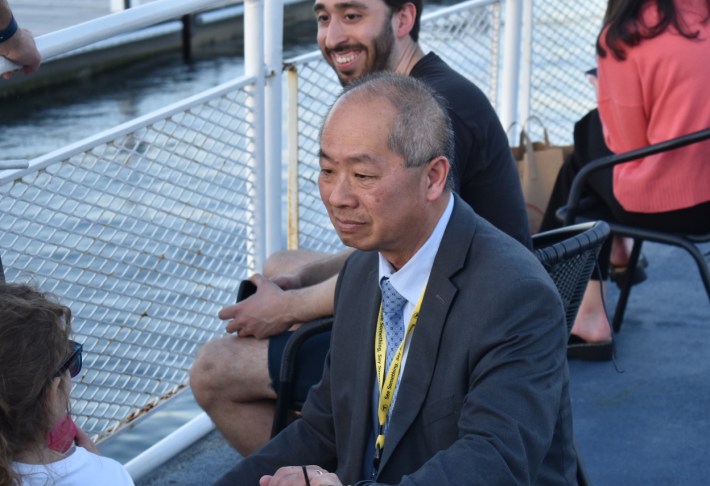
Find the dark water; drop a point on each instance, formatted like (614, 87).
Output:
(34, 124)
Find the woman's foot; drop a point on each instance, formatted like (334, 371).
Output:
(591, 334)
(619, 262)
(620, 251)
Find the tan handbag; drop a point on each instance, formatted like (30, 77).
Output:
(538, 166)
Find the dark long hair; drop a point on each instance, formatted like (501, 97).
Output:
(34, 342)
(625, 26)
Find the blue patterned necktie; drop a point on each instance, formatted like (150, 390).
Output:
(392, 311)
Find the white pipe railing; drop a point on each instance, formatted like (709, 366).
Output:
(169, 447)
(525, 63)
(254, 66)
(273, 44)
(14, 164)
(81, 35)
(511, 63)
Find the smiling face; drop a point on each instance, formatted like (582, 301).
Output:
(374, 201)
(356, 37)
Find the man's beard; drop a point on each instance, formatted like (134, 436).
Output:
(381, 53)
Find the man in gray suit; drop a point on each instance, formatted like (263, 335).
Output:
(477, 391)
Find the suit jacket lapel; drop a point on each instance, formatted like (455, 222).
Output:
(362, 349)
(439, 296)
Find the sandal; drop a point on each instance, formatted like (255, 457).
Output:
(620, 273)
(578, 348)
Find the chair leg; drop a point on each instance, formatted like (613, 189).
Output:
(702, 262)
(626, 288)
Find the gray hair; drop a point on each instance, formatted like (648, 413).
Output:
(421, 130)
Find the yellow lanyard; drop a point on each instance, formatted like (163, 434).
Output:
(387, 384)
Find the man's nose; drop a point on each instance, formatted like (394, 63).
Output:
(341, 193)
(335, 34)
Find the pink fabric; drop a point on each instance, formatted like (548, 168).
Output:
(661, 91)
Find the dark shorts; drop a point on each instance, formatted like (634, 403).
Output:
(309, 362)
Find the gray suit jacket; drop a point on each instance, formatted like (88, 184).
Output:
(483, 398)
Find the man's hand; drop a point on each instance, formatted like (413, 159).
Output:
(21, 49)
(294, 476)
(264, 314)
(288, 282)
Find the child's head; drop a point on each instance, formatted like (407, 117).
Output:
(34, 347)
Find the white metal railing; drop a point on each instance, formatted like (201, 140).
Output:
(66, 40)
(146, 229)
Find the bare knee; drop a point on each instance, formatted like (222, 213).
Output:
(231, 369)
(205, 378)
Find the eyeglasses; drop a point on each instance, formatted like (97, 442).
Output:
(73, 362)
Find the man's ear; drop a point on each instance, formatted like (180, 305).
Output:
(404, 20)
(438, 173)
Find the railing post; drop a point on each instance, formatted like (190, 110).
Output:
(187, 32)
(254, 66)
(511, 63)
(526, 62)
(273, 43)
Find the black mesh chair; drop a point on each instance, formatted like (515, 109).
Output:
(579, 209)
(569, 255)
(285, 405)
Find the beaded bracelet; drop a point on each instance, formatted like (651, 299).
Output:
(8, 31)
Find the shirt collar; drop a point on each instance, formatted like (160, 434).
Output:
(411, 279)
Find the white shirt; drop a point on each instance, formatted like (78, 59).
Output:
(80, 468)
(410, 280)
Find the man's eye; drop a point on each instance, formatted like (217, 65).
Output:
(363, 176)
(321, 18)
(352, 17)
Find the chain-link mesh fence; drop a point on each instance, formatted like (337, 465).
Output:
(144, 234)
(562, 49)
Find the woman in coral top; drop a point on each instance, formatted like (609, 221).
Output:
(653, 85)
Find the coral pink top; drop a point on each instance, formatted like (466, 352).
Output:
(661, 91)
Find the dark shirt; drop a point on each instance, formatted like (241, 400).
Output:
(485, 174)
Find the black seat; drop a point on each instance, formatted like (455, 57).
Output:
(569, 255)
(578, 209)
(284, 402)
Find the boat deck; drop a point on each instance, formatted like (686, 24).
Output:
(641, 419)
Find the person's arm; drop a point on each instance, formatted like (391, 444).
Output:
(272, 310)
(17, 45)
(286, 300)
(323, 269)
